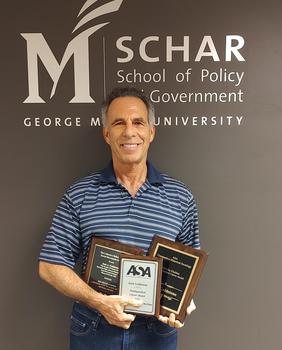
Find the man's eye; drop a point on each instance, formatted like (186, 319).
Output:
(118, 122)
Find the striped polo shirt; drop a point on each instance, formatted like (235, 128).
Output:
(99, 205)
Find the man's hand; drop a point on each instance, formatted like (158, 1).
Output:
(172, 322)
(112, 308)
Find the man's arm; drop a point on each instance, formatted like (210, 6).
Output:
(66, 281)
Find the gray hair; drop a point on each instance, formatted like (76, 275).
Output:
(124, 92)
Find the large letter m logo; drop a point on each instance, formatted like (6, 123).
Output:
(78, 48)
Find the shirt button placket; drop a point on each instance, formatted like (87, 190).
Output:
(131, 207)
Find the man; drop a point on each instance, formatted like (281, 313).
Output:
(128, 201)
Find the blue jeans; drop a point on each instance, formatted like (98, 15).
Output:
(90, 331)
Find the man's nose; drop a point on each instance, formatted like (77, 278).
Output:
(129, 130)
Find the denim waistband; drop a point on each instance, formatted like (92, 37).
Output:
(96, 316)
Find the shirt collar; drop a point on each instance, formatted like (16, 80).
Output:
(153, 175)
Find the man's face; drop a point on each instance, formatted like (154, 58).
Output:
(128, 131)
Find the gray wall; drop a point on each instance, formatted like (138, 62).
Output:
(234, 171)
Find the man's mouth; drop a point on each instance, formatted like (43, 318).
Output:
(130, 145)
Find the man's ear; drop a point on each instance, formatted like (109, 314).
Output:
(153, 133)
(106, 134)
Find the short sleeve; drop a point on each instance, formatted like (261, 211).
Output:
(189, 234)
(62, 243)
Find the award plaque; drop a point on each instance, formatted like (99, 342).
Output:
(140, 278)
(102, 267)
(182, 267)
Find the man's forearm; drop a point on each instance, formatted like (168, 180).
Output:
(66, 281)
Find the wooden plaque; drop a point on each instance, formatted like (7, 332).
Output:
(102, 267)
(182, 267)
